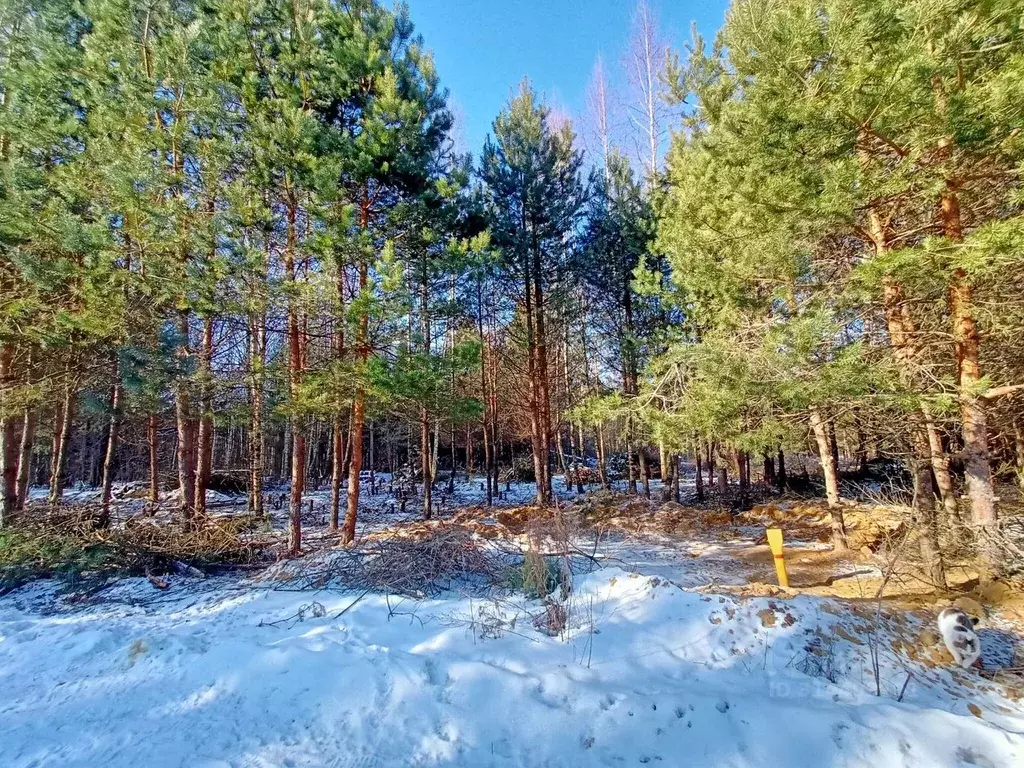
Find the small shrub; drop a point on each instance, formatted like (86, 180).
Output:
(537, 577)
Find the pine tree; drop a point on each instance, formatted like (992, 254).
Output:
(535, 196)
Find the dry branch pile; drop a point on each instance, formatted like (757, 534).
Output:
(65, 543)
(435, 558)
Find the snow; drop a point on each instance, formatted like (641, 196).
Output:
(654, 668)
(223, 672)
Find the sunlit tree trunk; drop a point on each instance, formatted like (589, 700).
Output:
(828, 468)
(28, 437)
(110, 454)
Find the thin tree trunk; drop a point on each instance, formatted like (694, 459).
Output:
(337, 468)
(711, 465)
(940, 466)
(186, 430)
(924, 511)
(484, 395)
(645, 477)
(544, 390)
(539, 460)
(338, 436)
(28, 437)
(154, 459)
(295, 370)
(61, 443)
(769, 469)
(110, 454)
(828, 467)
(204, 445)
(257, 363)
(9, 442)
(1018, 446)
(699, 477)
(743, 473)
(602, 466)
(348, 532)
(427, 466)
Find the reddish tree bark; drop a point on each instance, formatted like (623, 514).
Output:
(9, 443)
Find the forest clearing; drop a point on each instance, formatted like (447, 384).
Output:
(667, 409)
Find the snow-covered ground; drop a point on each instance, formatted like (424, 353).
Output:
(227, 673)
(653, 668)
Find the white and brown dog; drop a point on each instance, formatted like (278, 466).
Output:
(957, 630)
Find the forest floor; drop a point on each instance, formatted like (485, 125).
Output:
(665, 642)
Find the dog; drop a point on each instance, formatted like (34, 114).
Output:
(957, 630)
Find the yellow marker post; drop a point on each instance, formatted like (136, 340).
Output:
(775, 542)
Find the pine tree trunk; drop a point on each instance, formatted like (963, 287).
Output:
(903, 335)
(348, 532)
(769, 469)
(645, 479)
(924, 512)
(602, 465)
(9, 442)
(337, 468)
(544, 388)
(781, 476)
(110, 454)
(828, 467)
(484, 395)
(861, 452)
(426, 466)
(967, 342)
(185, 425)
(204, 444)
(535, 408)
(28, 437)
(699, 476)
(940, 467)
(295, 370)
(743, 471)
(1018, 447)
(833, 444)
(154, 458)
(257, 445)
(711, 465)
(62, 440)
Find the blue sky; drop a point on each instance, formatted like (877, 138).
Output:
(484, 48)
